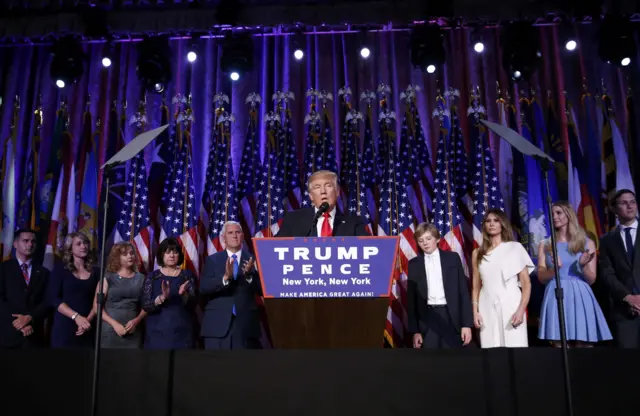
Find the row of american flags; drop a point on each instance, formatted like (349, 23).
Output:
(391, 184)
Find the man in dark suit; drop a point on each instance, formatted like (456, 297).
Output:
(23, 286)
(619, 269)
(439, 304)
(323, 188)
(229, 285)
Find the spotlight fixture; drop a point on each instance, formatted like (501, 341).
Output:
(571, 45)
(427, 51)
(67, 65)
(192, 56)
(365, 52)
(237, 55)
(106, 62)
(192, 50)
(477, 40)
(521, 54)
(153, 66)
(478, 47)
(616, 43)
(297, 44)
(298, 54)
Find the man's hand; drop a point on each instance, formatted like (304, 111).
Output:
(228, 270)
(248, 266)
(27, 331)
(21, 321)
(417, 340)
(465, 336)
(633, 301)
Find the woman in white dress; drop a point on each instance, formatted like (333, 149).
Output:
(501, 284)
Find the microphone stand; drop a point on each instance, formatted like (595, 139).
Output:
(545, 165)
(100, 299)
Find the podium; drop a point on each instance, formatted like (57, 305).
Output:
(326, 292)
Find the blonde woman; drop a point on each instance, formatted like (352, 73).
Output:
(122, 311)
(501, 285)
(577, 266)
(71, 292)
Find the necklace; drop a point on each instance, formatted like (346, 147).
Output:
(170, 271)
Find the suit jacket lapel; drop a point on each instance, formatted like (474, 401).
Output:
(444, 266)
(422, 284)
(337, 222)
(619, 246)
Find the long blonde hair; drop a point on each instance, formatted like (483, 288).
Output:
(506, 234)
(67, 253)
(576, 236)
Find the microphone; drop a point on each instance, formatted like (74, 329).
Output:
(321, 210)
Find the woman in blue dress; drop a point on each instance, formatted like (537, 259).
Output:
(577, 261)
(71, 292)
(169, 298)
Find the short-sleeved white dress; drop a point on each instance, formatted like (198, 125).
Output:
(500, 295)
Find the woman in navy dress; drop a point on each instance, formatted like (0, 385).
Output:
(70, 292)
(169, 298)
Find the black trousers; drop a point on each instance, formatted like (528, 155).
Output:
(233, 340)
(440, 331)
(627, 333)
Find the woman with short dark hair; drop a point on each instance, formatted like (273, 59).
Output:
(169, 298)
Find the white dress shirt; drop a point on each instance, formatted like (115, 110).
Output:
(435, 285)
(332, 217)
(634, 229)
(238, 254)
(29, 266)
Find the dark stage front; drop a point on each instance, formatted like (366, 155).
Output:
(356, 382)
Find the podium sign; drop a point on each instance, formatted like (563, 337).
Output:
(326, 267)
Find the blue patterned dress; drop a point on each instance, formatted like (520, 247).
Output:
(583, 315)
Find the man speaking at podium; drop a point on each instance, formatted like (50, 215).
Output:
(321, 220)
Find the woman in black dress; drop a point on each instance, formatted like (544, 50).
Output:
(169, 298)
(70, 292)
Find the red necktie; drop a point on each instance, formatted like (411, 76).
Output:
(25, 272)
(326, 230)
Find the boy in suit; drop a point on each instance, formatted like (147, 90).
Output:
(23, 285)
(440, 314)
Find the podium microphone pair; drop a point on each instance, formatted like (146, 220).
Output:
(321, 210)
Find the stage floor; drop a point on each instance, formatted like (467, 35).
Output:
(517, 382)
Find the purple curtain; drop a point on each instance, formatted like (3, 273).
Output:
(331, 61)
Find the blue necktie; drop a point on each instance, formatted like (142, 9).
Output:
(628, 241)
(235, 276)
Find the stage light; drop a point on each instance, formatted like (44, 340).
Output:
(68, 61)
(106, 62)
(521, 54)
(153, 65)
(571, 45)
(365, 52)
(237, 55)
(60, 83)
(298, 54)
(616, 44)
(192, 56)
(427, 51)
(478, 47)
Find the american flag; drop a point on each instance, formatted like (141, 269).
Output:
(135, 224)
(369, 171)
(320, 150)
(287, 148)
(486, 188)
(446, 215)
(415, 153)
(249, 175)
(219, 199)
(357, 203)
(271, 193)
(180, 219)
(396, 219)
